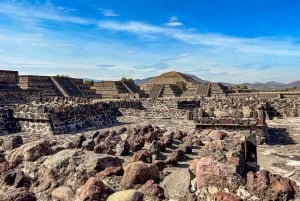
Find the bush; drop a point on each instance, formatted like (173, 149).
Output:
(181, 85)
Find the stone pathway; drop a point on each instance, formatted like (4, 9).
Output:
(281, 154)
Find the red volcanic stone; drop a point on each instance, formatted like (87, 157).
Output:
(4, 166)
(273, 186)
(138, 173)
(217, 134)
(222, 196)
(146, 129)
(142, 155)
(160, 164)
(167, 139)
(94, 189)
(136, 142)
(12, 143)
(151, 189)
(179, 135)
(101, 148)
(122, 148)
(149, 137)
(209, 172)
(161, 145)
(109, 171)
(177, 155)
(19, 194)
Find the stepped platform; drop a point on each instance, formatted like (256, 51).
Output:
(51, 86)
(170, 90)
(114, 89)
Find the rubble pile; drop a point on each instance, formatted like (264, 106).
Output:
(138, 162)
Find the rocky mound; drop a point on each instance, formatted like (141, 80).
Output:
(134, 164)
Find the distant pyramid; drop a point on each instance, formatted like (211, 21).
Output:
(167, 81)
(172, 77)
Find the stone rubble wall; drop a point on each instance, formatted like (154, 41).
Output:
(64, 115)
(8, 123)
(159, 108)
(69, 115)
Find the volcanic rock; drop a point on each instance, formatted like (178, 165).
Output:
(32, 150)
(138, 173)
(94, 190)
(177, 184)
(63, 193)
(151, 189)
(127, 195)
(12, 143)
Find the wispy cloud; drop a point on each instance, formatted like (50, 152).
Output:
(180, 56)
(108, 12)
(105, 65)
(174, 22)
(259, 45)
(47, 11)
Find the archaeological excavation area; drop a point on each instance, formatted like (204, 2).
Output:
(62, 139)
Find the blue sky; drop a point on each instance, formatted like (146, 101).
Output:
(222, 41)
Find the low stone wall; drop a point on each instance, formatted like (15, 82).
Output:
(67, 115)
(162, 108)
(287, 107)
(8, 123)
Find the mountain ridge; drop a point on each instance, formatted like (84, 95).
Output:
(271, 85)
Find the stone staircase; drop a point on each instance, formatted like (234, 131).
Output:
(85, 89)
(156, 90)
(66, 86)
(170, 91)
(217, 89)
(42, 84)
(112, 89)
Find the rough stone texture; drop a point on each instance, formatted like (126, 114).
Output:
(223, 196)
(142, 155)
(177, 184)
(210, 172)
(63, 193)
(109, 171)
(32, 151)
(272, 186)
(95, 190)
(139, 173)
(12, 143)
(88, 144)
(122, 148)
(127, 195)
(68, 167)
(151, 189)
(20, 194)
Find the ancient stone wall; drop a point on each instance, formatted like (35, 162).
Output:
(8, 123)
(8, 77)
(62, 115)
(162, 108)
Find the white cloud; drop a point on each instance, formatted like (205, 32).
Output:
(259, 45)
(47, 11)
(108, 13)
(174, 22)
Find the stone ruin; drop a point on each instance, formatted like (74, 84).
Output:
(141, 161)
(117, 90)
(56, 86)
(104, 159)
(166, 85)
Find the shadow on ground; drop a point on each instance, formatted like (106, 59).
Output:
(279, 136)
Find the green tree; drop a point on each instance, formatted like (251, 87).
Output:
(181, 85)
(88, 82)
(62, 75)
(127, 80)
